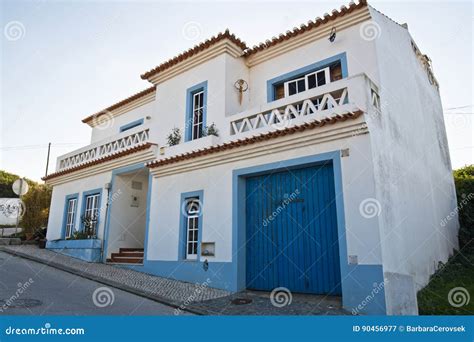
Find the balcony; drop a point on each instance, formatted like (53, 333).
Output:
(347, 95)
(114, 144)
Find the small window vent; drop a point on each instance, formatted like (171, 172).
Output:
(137, 185)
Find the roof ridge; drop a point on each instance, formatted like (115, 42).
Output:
(195, 49)
(306, 27)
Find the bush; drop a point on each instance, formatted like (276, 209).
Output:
(37, 201)
(464, 180)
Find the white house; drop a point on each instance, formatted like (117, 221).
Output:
(330, 173)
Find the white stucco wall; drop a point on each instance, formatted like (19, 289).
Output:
(112, 127)
(58, 200)
(216, 182)
(414, 183)
(127, 222)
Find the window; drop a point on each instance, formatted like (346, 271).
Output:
(193, 212)
(197, 115)
(90, 216)
(196, 99)
(308, 77)
(131, 125)
(308, 81)
(70, 219)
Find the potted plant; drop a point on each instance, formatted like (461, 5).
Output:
(174, 138)
(210, 130)
(88, 221)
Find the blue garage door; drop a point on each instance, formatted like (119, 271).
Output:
(291, 234)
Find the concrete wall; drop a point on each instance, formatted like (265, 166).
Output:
(413, 178)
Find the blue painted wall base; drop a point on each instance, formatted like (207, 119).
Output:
(87, 250)
(218, 275)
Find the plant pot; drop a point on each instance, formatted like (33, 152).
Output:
(42, 243)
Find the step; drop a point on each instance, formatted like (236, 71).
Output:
(131, 250)
(128, 255)
(125, 260)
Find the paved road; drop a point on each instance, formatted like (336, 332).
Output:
(55, 292)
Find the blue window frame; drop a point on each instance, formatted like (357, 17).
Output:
(196, 111)
(69, 216)
(274, 82)
(91, 204)
(191, 225)
(131, 125)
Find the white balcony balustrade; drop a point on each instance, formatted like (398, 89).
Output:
(104, 148)
(343, 96)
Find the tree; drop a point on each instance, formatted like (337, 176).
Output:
(36, 202)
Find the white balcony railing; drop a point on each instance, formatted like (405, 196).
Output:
(349, 94)
(104, 148)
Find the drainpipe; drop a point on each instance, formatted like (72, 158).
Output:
(107, 203)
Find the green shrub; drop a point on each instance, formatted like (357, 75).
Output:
(464, 180)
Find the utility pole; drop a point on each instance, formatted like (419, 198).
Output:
(47, 160)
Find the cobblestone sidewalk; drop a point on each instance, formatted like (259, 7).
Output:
(168, 291)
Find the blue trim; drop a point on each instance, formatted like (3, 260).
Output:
(131, 125)
(83, 208)
(147, 224)
(67, 198)
(115, 172)
(306, 70)
(87, 250)
(189, 110)
(365, 274)
(182, 224)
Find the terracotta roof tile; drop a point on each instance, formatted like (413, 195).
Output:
(306, 27)
(113, 156)
(191, 52)
(120, 103)
(253, 139)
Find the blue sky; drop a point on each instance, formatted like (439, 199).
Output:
(75, 58)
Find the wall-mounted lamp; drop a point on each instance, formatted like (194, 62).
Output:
(332, 35)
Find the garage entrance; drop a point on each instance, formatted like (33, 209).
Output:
(291, 231)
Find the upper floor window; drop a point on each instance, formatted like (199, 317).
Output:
(197, 119)
(315, 75)
(196, 111)
(131, 125)
(308, 81)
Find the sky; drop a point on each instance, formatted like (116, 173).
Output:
(64, 60)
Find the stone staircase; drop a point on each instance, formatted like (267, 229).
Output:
(127, 256)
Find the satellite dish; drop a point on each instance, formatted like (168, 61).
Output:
(20, 187)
